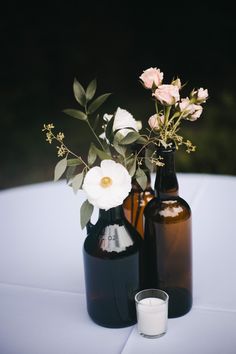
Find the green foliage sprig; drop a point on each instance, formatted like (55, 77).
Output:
(121, 140)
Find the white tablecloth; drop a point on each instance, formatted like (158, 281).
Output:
(42, 298)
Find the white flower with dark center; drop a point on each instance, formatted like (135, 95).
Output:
(107, 186)
(123, 124)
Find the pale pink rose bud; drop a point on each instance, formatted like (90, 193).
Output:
(177, 83)
(197, 112)
(151, 76)
(186, 107)
(154, 121)
(167, 94)
(200, 95)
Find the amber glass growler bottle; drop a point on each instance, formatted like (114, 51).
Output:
(168, 239)
(135, 203)
(112, 263)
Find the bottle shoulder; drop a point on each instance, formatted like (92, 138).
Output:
(113, 241)
(169, 209)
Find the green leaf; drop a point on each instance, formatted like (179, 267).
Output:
(86, 211)
(130, 138)
(107, 146)
(98, 102)
(74, 162)
(92, 155)
(149, 152)
(131, 166)
(101, 154)
(109, 130)
(70, 172)
(96, 120)
(75, 113)
(91, 89)
(121, 136)
(77, 181)
(142, 140)
(119, 148)
(60, 169)
(141, 178)
(79, 93)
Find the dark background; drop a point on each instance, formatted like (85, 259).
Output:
(44, 48)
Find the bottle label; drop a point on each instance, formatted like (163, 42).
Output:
(115, 238)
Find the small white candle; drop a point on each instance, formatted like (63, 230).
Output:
(152, 314)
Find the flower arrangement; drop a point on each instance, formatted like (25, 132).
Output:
(121, 148)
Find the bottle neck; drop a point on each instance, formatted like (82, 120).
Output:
(112, 215)
(166, 183)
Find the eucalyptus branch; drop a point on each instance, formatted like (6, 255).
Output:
(59, 137)
(145, 145)
(127, 158)
(78, 157)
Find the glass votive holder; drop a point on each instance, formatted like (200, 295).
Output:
(152, 312)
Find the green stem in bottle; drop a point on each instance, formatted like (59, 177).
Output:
(158, 117)
(156, 106)
(167, 114)
(177, 122)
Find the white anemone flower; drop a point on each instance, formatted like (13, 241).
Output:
(107, 186)
(125, 122)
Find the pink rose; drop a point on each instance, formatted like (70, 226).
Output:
(197, 112)
(151, 76)
(186, 107)
(177, 83)
(200, 95)
(154, 121)
(167, 94)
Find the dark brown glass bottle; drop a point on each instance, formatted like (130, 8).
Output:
(168, 239)
(112, 262)
(135, 203)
